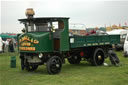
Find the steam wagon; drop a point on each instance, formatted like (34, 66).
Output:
(46, 40)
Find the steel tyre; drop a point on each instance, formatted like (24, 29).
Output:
(97, 58)
(54, 65)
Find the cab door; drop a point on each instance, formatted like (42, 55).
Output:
(64, 36)
(61, 36)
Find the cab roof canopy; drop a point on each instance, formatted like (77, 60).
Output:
(43, 19)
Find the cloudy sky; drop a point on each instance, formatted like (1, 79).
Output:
(91, 13)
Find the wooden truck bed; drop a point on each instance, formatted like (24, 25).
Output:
(93, 40)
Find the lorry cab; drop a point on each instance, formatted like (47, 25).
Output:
(48, 34)
(126, 46)
(43, 41)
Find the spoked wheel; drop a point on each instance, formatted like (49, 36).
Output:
(74, 59)
(98, 57)
(32, 67)
(54, 65)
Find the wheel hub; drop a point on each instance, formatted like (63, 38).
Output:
(57, 65)
(99, 57)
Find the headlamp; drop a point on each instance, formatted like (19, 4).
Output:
(40, 55)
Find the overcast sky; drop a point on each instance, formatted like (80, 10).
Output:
(91, 13)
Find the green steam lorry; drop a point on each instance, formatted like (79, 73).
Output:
(46, 41)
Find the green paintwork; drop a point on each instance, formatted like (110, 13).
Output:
(64, 40)
(46, 39)
(13, 62)
(45, 43)
(94, 40)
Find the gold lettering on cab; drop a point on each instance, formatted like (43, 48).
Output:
(26, 43)
(27, 48)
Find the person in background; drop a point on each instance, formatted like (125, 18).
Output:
(3, 47)
(6, 45)
(14, 42)
(11, 45)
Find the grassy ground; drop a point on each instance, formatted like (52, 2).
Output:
(82, 74)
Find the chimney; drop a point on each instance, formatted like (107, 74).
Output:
(29, 13)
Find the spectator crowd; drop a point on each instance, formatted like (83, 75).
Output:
(9, 45)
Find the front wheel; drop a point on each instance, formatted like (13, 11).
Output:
(54, 65)
(98, 57)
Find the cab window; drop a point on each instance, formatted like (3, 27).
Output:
(54, 26)
(42, 27)
(38, 27)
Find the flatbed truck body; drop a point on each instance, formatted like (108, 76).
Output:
(93, 40)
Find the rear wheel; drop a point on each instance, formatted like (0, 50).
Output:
(74, 59)
(54, 65)
(98, 57)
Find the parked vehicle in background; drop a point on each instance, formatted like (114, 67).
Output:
(1, 45)
(126, 46)
(122, 33)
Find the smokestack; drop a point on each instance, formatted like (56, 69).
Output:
(29, 13)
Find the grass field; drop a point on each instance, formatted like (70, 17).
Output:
(82, 74)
